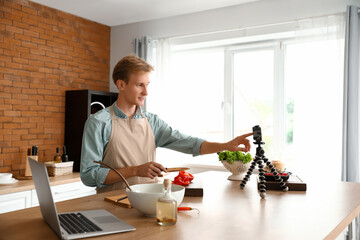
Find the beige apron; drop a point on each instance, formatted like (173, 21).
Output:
(131, 143)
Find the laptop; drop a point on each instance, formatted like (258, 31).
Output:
(72, 225)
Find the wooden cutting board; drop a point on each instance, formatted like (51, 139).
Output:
(294, 183)
(195, 189)
(124, 203)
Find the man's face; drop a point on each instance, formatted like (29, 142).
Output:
(135, 91)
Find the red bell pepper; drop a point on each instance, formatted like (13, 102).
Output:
(183, 178)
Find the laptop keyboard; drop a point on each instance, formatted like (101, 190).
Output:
(77, 223)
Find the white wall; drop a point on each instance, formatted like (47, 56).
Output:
(253, 14)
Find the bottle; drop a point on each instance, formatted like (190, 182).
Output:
(64, 156)
(57, 157)
(166, 206)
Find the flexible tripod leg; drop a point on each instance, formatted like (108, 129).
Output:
(248, 174)
(276, 175)
(262, 185)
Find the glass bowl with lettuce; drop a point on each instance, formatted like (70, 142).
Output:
(235, 162)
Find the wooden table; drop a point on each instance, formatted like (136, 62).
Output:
(226, 212)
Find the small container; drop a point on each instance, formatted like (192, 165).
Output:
(57, 157)
(58, 169)
(166, 206)
(279, 165)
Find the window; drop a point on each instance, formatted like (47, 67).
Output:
(291, 87)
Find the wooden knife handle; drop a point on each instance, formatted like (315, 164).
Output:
(177, 169)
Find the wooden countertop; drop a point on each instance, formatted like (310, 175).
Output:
(226, 212)
(24, 185)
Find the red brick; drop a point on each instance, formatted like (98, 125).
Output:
(29, 10)
(37, 75)
(27, 125)
(19, 143)
(46, 70)
(20, 108)
(21, 131)
(51, 65)
(14, 65)
(52, 54)
(13, 17)
(12, 53)
(10, 150)
(21, 37)
(37, 52)
(11, 125)
(31, 33)
(29, 137)
(29, 91)
(38, 40)
(31, 68)
(29, 20)
(20, 60)
(36, 85)
(6, 82)
(36, 29)
(45, 47)
(28, 56)
(11, 4)
(14, 29)
(21, 25)
(6, 107)
(20, 96)
(12, 90)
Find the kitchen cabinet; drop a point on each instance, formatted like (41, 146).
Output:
(15, 201)
(25, 199)
(79, 105)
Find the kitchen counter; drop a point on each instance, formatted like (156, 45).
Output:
(226, 212)
(24, 185)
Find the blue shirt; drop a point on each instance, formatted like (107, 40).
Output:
(97, 133)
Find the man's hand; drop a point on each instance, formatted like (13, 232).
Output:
(150, 169)
(233, 145)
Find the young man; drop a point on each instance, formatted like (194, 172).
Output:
(125, 137)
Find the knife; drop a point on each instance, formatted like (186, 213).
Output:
(177, 169)
(122, 198)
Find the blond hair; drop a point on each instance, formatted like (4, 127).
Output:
(128, 65)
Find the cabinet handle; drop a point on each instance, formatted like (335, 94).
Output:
(68, 191)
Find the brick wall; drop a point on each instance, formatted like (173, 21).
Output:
(43, 53)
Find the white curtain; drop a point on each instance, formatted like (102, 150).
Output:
(314, 80)
(351, 144)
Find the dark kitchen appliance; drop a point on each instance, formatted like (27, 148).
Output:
(79, 104)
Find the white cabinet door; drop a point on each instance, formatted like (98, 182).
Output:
(15, 201)
(65, 192)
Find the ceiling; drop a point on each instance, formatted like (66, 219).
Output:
(118, 12)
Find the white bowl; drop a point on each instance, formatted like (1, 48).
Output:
(238, 168)
(5, 177)
(143, 197)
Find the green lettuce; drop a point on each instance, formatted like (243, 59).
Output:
(231, 157)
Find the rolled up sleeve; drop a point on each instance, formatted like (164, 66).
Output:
(91, 173)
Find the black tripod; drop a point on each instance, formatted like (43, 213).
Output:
(259, 158)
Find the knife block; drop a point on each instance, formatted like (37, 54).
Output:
(27, 166)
